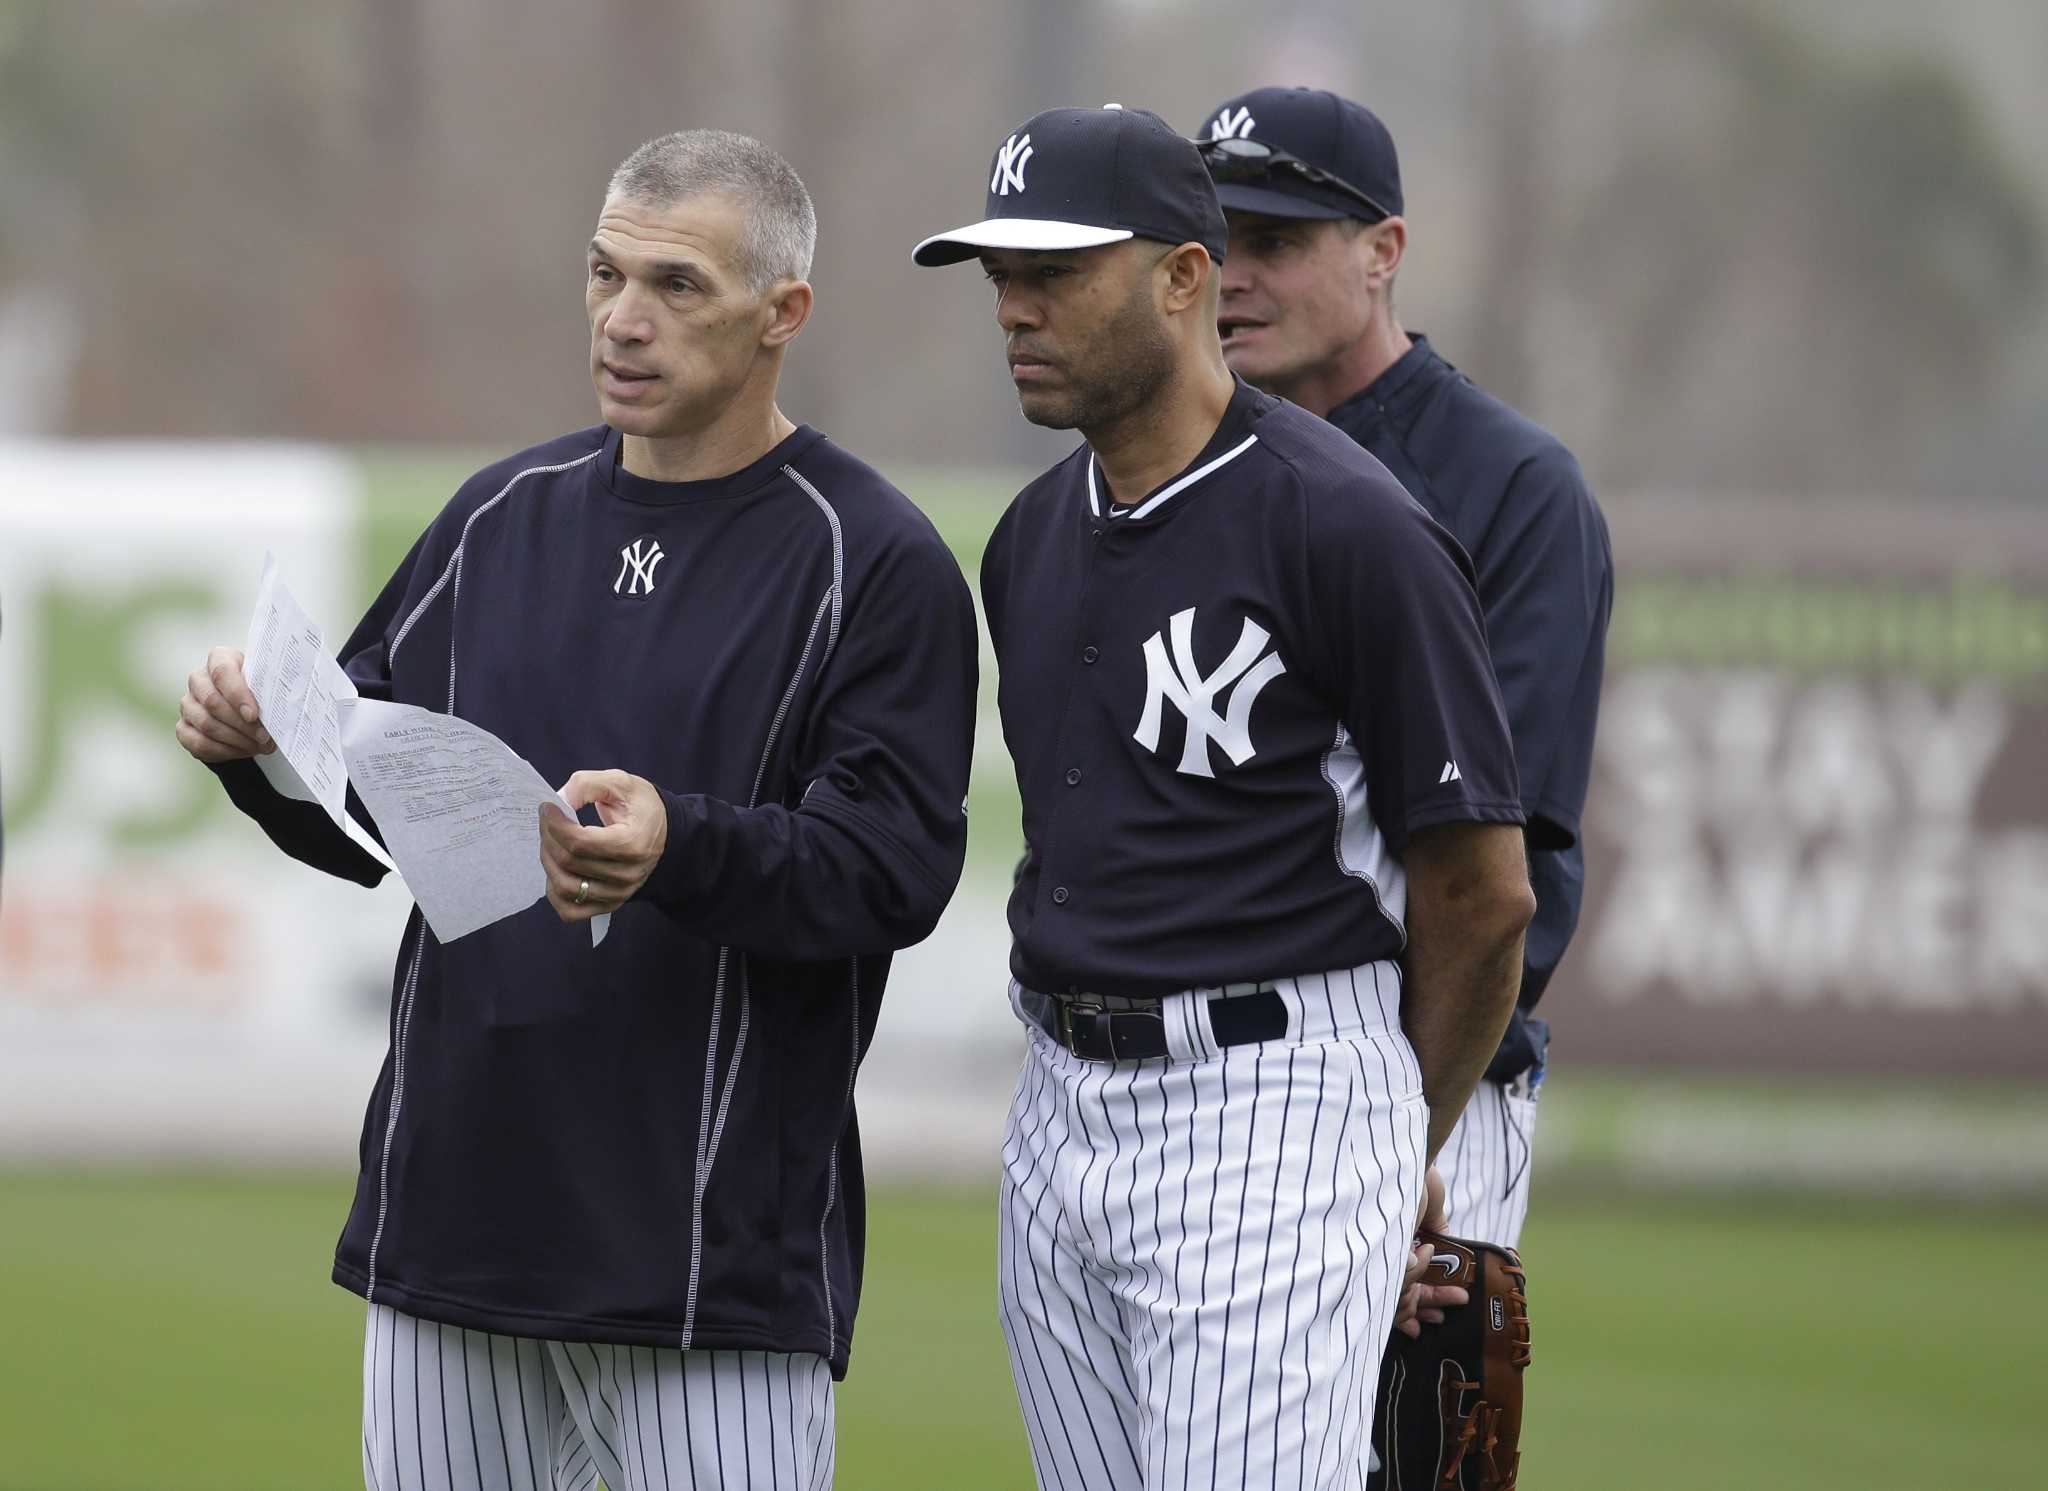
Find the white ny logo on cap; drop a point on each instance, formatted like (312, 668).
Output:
(1010, 162)
(1232, 124)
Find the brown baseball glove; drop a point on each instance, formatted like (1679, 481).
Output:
(1449, 1411)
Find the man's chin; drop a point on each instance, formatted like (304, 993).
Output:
(634, 419)
(1049, 411)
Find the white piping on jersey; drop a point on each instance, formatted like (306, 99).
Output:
(1360, 848)
(703, 1175)
(1145, 508)
(838, 562)
(709, 1130)
(403, 1023)
(454, 565)
(853, 963)
(832, 1168)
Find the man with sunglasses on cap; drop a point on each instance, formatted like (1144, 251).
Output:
(1266, 784)
(1311, 189)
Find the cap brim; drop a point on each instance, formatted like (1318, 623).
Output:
(1275, 202)
(1032, 234)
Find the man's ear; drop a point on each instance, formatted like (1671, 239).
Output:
(1386, 242)
(1187, 270)
(790, 305)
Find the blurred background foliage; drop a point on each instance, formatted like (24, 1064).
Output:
(1718, 244)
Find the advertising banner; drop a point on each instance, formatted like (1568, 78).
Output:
(168, 982)
(1817, 836)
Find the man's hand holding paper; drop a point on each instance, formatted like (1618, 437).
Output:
(596, 870)
(456, 806)
(218, 719)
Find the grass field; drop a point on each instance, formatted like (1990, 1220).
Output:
(172, 1333)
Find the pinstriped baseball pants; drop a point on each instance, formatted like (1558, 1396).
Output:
(1199, 1257)
(448, 1409)
(1485, 1164)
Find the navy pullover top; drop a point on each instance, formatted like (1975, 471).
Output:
(653, 1141)
(1512, 495)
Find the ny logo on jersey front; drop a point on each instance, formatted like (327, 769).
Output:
(637, 563)
(1179, 680)
(1232, 124)
(1010, 163)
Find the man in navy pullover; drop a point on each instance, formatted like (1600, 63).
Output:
(1311, 189)
(609, 1219)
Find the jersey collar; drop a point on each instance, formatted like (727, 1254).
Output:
(611, 471)
(1387, 390)
(1232, 439)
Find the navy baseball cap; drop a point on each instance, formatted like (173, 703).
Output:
(1080, 178)
(1326, 156)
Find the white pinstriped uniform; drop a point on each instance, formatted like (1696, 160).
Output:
(1200, 1256)
(1486, 1162)
(448, 1409)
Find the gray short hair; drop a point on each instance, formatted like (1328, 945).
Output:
(782, 227)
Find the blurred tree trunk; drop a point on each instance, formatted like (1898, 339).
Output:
(1053, 61)
(375, 380)
(1509, 102)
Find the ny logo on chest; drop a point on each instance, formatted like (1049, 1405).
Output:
(1179, 680)
(637, 564)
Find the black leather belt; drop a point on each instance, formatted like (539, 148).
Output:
(1094, 1032)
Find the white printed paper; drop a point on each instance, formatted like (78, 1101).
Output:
(459, 810)
(297, 685)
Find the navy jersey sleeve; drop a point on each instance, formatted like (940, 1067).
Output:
(302, 829)
(1393, 596)
(1546, 583)
(995, 577)
(868, 857)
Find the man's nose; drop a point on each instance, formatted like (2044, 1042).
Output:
(1017, 309)
(629, 318)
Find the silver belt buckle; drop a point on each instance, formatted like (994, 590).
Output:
(1068, 1008)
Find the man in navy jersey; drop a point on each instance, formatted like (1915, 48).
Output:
(1268, 927)
(610, 1214)
(1311, 189)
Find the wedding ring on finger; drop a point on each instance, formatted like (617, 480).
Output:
(582, 891)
